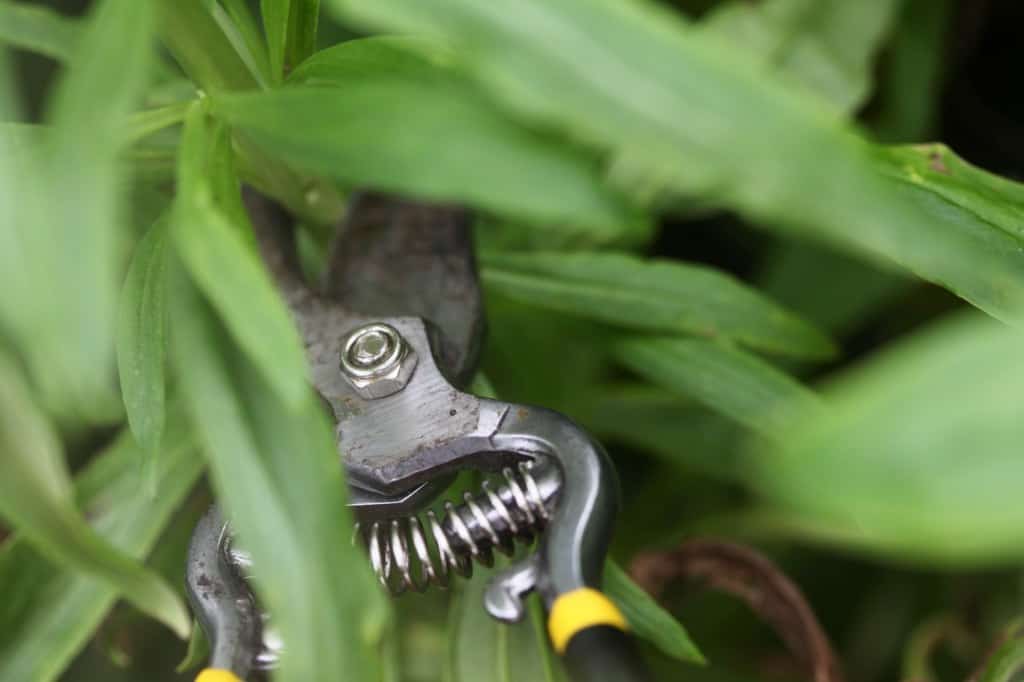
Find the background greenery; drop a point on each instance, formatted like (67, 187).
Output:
(712, 232)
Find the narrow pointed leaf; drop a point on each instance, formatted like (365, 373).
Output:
(64, 234)
(55, 612)
(279, 480)
(38, 29)
(680, 110)
(919, 453)
(453, 145)
(302, 25)
(275, 27)
(216, 247)
(727, 380)
(142, 340)
(647, 619)
(36, 498)
(654, 296)
(828, 46)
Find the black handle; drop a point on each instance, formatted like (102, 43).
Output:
(604, 653)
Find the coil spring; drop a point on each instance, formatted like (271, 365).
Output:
(403, 559)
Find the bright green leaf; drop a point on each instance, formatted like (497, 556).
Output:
(142, 341)
(919, 451)
(253, 48)
(453, 145)
(63, 230)
(727, 380)
(826, 45)
(38, 29)
(655, 296)
(933, 169)
(647, 619)
(277, 474)
(679, 109)
(36, 498)
(214, 240)
(200, 47)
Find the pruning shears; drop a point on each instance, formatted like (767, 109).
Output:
(393, 337)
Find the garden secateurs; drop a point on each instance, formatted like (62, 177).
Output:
(392, 337)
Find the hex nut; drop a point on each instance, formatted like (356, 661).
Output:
(376, 361)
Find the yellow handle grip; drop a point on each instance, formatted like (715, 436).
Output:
(578, 610)
(215, 675)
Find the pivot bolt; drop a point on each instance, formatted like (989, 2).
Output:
(376, 361)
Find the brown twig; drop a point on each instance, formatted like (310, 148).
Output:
(754, 579)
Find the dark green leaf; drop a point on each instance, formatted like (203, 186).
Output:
(275, 26)
(276, 472)
(682, 110)
(452, 145)
(302, 25)
(37, 499)
(829, 287)
(647, 620)
(142, 342)
(729, 381)
(826, 45)
(214, 239)
(39, 29)
(911, 85)
(1006, 663)
(654, 296)
(919, 453)
(680, 433)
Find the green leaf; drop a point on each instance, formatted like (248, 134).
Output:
(50, 614)
(846, 291)
(200, 47)
(275, 26)
(481, 648)
(1006, 663)
(36, 497)
(213, 237)
(910, 88)
(727, 380)
(919, 452)
(142, 342)
(654, 296)
(302, 25)
(828, 46)
(676, 108)
(453, 145)
(660, 423)
(248, 31)
(38, 29)
(63, 232)
(934, 170)
(277, 475)
(647, 620)
(198, 650)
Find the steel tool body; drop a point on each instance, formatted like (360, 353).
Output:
(393, 336)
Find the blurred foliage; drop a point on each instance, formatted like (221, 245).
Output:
(716, 233)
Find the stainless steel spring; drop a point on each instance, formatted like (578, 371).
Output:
(403, 556)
